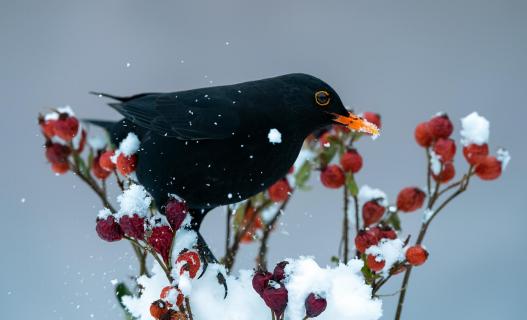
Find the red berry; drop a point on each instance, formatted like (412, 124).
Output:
(66, 127)
(387, 233)
(108, 229)
(351, 161)
(47, 127)
(489, 168)
(133, 226)
(97, 171)
(332, 177)
(190, 261)
(126, 164)
(373, 117)
(60, 167)
(82, 142)
(445, 148)
(315, 305)
(447, 173)
(279, 191)
(440, 127)
(158, 308)
(56, 152)
(279, 271)
(410, 199)
(261, 280)
(416, 255)
(276, 299)
(372, 212)
(176, 212)
(475, 153)
(166, 290)
(422, 135)
(365, 239)
(373, 264)
(105, 160)
(161, 240)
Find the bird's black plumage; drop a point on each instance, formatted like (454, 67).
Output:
(210, 146)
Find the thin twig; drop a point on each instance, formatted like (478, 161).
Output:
(345, 225)
(187, 303)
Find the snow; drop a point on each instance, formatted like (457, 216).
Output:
(427, 214)
(97, 142)
(130, 144)
(134, 200)
(366, 193)
(504, 157)
(343, 286)
(391, 251)
(274, 136)
(475, 129)
(104, 213)
(54, 115)
(435, 162)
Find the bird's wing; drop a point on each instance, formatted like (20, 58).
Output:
(187, 115)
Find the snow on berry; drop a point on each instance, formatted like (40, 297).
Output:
(130, 144)
(435, 162)
(158, 308)
(504, 157)
(315, 305)
(389, 251)
(489, 168)
(445, 149)
(134, 200)
(366, 193)
(332, 177)
(188, 261)
(351, 161)
(375, 263)
(474, 129)
(279, 191)
(410, 199)
(475, 153)
(416, 255)
(440, 126)
(274, 136)
(365, 239)
(108, 229)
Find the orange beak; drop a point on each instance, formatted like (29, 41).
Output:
(357, 123)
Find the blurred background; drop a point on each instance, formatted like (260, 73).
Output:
(404, 59)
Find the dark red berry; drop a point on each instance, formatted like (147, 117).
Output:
(440, 127)
(56, 152)
(475, 153)
(279, 191)
(489, 168)
(158, 308)
(66, 127)
(410, 199)
(387, 233)
(445, 148)
(365, 239)
(279, 271)
(161, 240)
(315, 305)
(176, 211)
(447, 173)
(108, 229)
(372, 212)
(332, 177)
(190, 262)
(351, 161)
(276, 299)
(261, 280)
(133, 226)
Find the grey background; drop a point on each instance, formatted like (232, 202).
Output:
(404, 59)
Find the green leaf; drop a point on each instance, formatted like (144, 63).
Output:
(351, 184)
(303, 174)
(121, 290)
(394, 221)
(335, 260)
(238, 215)
(328, 153)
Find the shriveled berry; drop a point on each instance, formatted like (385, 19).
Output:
(66, 127)
(176, 211)
(332, 177)
(133, 226)
(410, 199)
(261, 280)
(373, 117)
(108, 229)
(447, 173)
(97, 171)
(276, 299)
(56, 152)
(351, 161)
(158, 308)
(489, 168)
(190, 262)
(365, 239)
(105, 160)
(416, 255)
(165, 295)
(373, 264)
(422, 135)
(315, 305)
(372, 212)
(161, 240)
(445, 148)
(475, 153)
(60, 167)
(279, 271)
(440, 126)
(279, 191)
(126, 164)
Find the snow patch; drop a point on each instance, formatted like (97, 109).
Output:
(366, 193)
(134, 200)
(130, 144)
(104, 213)
(475, 129)
(274, 136)
(504, 157)
(435, 162)
(391, 251)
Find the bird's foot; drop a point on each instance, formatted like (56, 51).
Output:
(206, 256)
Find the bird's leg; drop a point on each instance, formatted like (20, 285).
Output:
(203, 249)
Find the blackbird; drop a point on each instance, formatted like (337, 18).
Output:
(211, 146)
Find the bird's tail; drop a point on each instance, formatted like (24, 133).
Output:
(120, 99)
(106, 125)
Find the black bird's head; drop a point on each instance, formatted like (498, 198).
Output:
(317, 105)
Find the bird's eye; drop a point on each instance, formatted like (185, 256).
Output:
(322, 98)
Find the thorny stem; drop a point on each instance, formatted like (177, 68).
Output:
(463, 184)
(261, 258)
